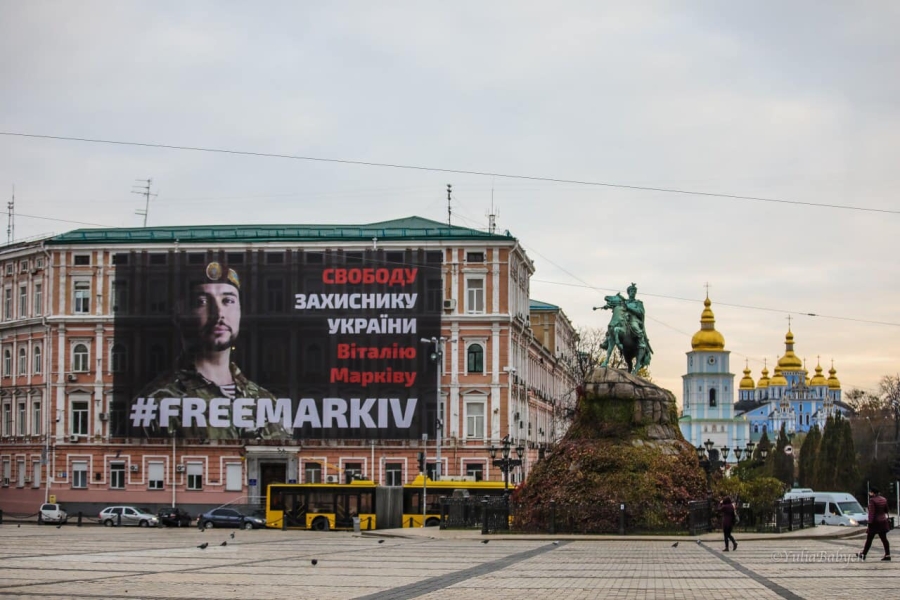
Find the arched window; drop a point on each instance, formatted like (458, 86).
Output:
(7, 362)
(38, 360)
(756, 428)
(475, 359)
(117, 359)
(712, 398)
(23, 361)
(80, 358)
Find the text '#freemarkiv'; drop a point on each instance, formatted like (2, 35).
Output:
(340, 413)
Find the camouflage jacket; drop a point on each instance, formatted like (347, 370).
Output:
(187, 382)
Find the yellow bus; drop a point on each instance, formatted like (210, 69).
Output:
(321, 506)
(413, 515)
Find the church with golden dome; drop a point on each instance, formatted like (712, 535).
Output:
(788, 398)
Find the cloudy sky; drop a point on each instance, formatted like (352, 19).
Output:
(796, 105)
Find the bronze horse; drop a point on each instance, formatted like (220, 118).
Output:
(620, 335)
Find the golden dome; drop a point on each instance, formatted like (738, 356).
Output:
(833, 383)
(790, 361)
(778, 378)
(764, 380)
(818, 378)
(707, 338)
(746, 380)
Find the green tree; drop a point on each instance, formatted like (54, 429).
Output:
(847, 467)
(762, 493)
(809, 451)
(829, 454)
(782, 462)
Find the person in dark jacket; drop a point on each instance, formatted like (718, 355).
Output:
(878, 524)
(727, 510)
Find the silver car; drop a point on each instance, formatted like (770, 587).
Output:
(129, 515)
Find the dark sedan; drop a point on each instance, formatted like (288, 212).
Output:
(229, 517)
(174, 517)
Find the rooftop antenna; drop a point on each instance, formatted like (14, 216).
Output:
(11, 223)
(449, 189)
(144, 190)
(492, 216)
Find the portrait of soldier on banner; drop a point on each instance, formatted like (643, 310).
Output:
(206, 395)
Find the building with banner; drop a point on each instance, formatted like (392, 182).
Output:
(196, 365)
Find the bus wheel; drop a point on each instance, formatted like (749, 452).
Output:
(432, 522)
(320, 524)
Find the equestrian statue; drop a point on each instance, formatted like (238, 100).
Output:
(626, 331)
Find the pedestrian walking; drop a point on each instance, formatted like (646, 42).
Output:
(728, 520)
(878, 524)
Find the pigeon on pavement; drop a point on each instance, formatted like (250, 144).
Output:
(203, 545)
(314, 562)
(232, 535)
(485, 541)
(224, 544)
(675, 545)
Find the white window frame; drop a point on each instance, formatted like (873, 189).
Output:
(117, 476)
(23, 301)
(7, 362)
(475, 295)
(234, 477)
(156, 475)
(194, 476)
(38, 366)
(7, 418)
(38, 299)
(7, 304)
(475, 422)
(79, 474)
(81, 361)
(21, 417)
(80, 414)
(23, 362)
(81, 297)
(36, 416)
(118, 358)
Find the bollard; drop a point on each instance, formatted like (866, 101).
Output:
(356, 525)
(283, 521)
(118, 519)
(553, 516)
(368, 523)
(621, 519)
(1, 516)
(79, 518)
(484, 516)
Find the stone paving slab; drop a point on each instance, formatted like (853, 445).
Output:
(95, 562)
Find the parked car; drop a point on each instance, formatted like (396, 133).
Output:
(109, 516)
(229, 517)
(174, 517)
(52, 513)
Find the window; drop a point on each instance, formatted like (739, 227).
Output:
(158, 259)
(234, 481)
(434, 257)
(353, 258)
(312, 472)
(712, 398)
(23, 361)
(23, 302)
(80, 358)
(36, 417)
(7, 419)
(82, 298)
(474, 257)
(475, 418)
(475, 359)
(352, 471)
(21, 419)
(155, 475)
(120, 258)
(195, 476)
(117, 359)
(475, 470)
(434, 294)
(474, 296)
(38, 299)
(20, 473)
(117, 475)
(79, 474)
(79, 417)
(38, 366)
(157, 297)
(274, 259)
(9, 269)
(120, 297)
(234, 258)
(393, 474)
(82, 260)
(196, 258)
(6, 472)
(7, 304)
(315, 258)
(7, 362)
(275, 295)
(23, 266)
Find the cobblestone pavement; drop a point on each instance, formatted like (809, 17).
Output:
(98, 562)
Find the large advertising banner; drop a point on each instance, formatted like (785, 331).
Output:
(275, 345)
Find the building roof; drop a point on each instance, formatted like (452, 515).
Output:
(409, 228)
(538, 305)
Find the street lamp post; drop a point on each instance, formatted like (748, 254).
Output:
(438, 357)
(505, 463)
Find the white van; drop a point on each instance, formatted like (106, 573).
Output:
(834, 508)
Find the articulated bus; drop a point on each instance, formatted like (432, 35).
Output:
(326, 506)
(320, 506)
(413, 514)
